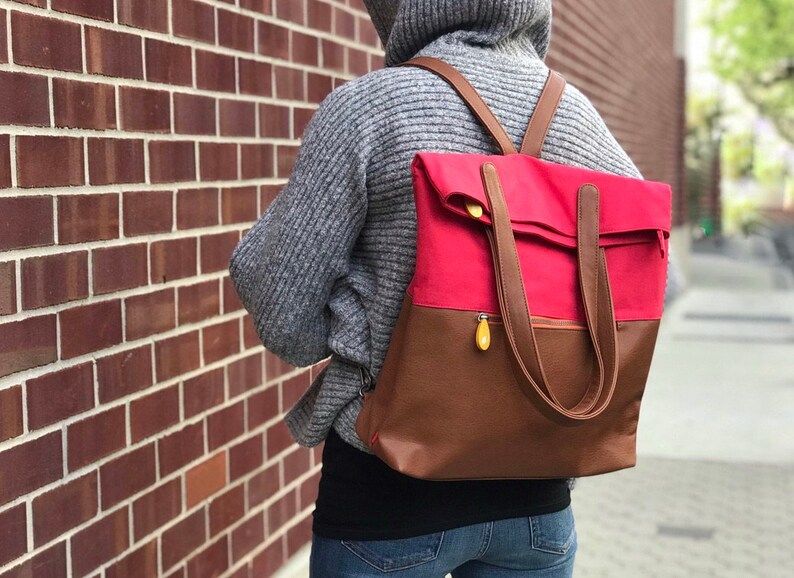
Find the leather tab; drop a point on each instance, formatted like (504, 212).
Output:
(470, 95)
(541, 119)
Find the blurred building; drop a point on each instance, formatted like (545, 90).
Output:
(140, 418)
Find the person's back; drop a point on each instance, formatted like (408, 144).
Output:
(325, 269)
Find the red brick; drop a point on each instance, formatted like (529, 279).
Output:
(49, 161)
(118, 268)
(257, 161)
(27, 343)
(238, 118)
(13, 534)
(299, 535)
(98, 9)
(308, 491)
(151, 15)
(304, 48)
(344, 24)
(124, 373)
(263, 485)
(141, 562)
(270, 560)
(5, 160)
(15, 216)
(8, 288)
(239, 205)
(290, 10)
(83, 218)
(186, 537)
(10, 413)
(262, 407)
(96, 437)
(255, 77)
(54, 279)
(156, 508)
(150, 313)
(249, 535)
(168, 63)
(231, 303)
(250, 337)
(178, 449)
(64, 508)
(59, 395)
(29, 466)
(278, 439)
(293, 389)
(176, 355)
(245, 374)
(357, 62)
(333, 56)
(319, 16)
(194, 20)
(196, 208)
(203, 392)
(282, 511)
(147, 212)
(115, 161)
(3, 37)
(177, 573)
(51, 562)
(216, 251)
(218, 161)
(275, 367)
(154, 413)
(318, 86)
(215, 71)
(173, 259)
(210, 562)
(273, 40)
(226, 509)
(296, 464)
(46, 42)
(194, 114)
(172, 161)
(286, 155)
(300, 119)
(24, 99)
(90, 328)
(235, 31)
(198, 302)
(83, 104)
(127, 475)
(221, 340)
(100, 542)
(274, 121)
(112, 53)
(290, 83)
(205, 479)
(225, 425)
(143, 109)
(245, 457)
(261, 6)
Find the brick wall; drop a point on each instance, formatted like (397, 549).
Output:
(140, 419)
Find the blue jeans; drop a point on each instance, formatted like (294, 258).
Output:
(528, 547)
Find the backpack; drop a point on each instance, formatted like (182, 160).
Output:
(525, 337)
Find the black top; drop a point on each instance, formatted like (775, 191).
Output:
(362, 498)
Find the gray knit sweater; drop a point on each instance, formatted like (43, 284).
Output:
(324, 270)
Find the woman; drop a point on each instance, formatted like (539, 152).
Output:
(324, 271)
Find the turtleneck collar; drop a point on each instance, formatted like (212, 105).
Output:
(511, 26)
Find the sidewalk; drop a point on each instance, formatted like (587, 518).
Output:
(713, 491)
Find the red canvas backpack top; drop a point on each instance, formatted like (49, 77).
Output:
(525, 337)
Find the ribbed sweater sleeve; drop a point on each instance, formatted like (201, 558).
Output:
(287, 267)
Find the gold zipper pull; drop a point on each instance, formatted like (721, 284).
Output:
(483, 337)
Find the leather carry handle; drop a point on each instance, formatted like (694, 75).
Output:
(541, 117)
(596, 295)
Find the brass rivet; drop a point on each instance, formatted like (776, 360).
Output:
(474, 209)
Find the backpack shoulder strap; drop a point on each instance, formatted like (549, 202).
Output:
(470, 95)
(540, 122)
